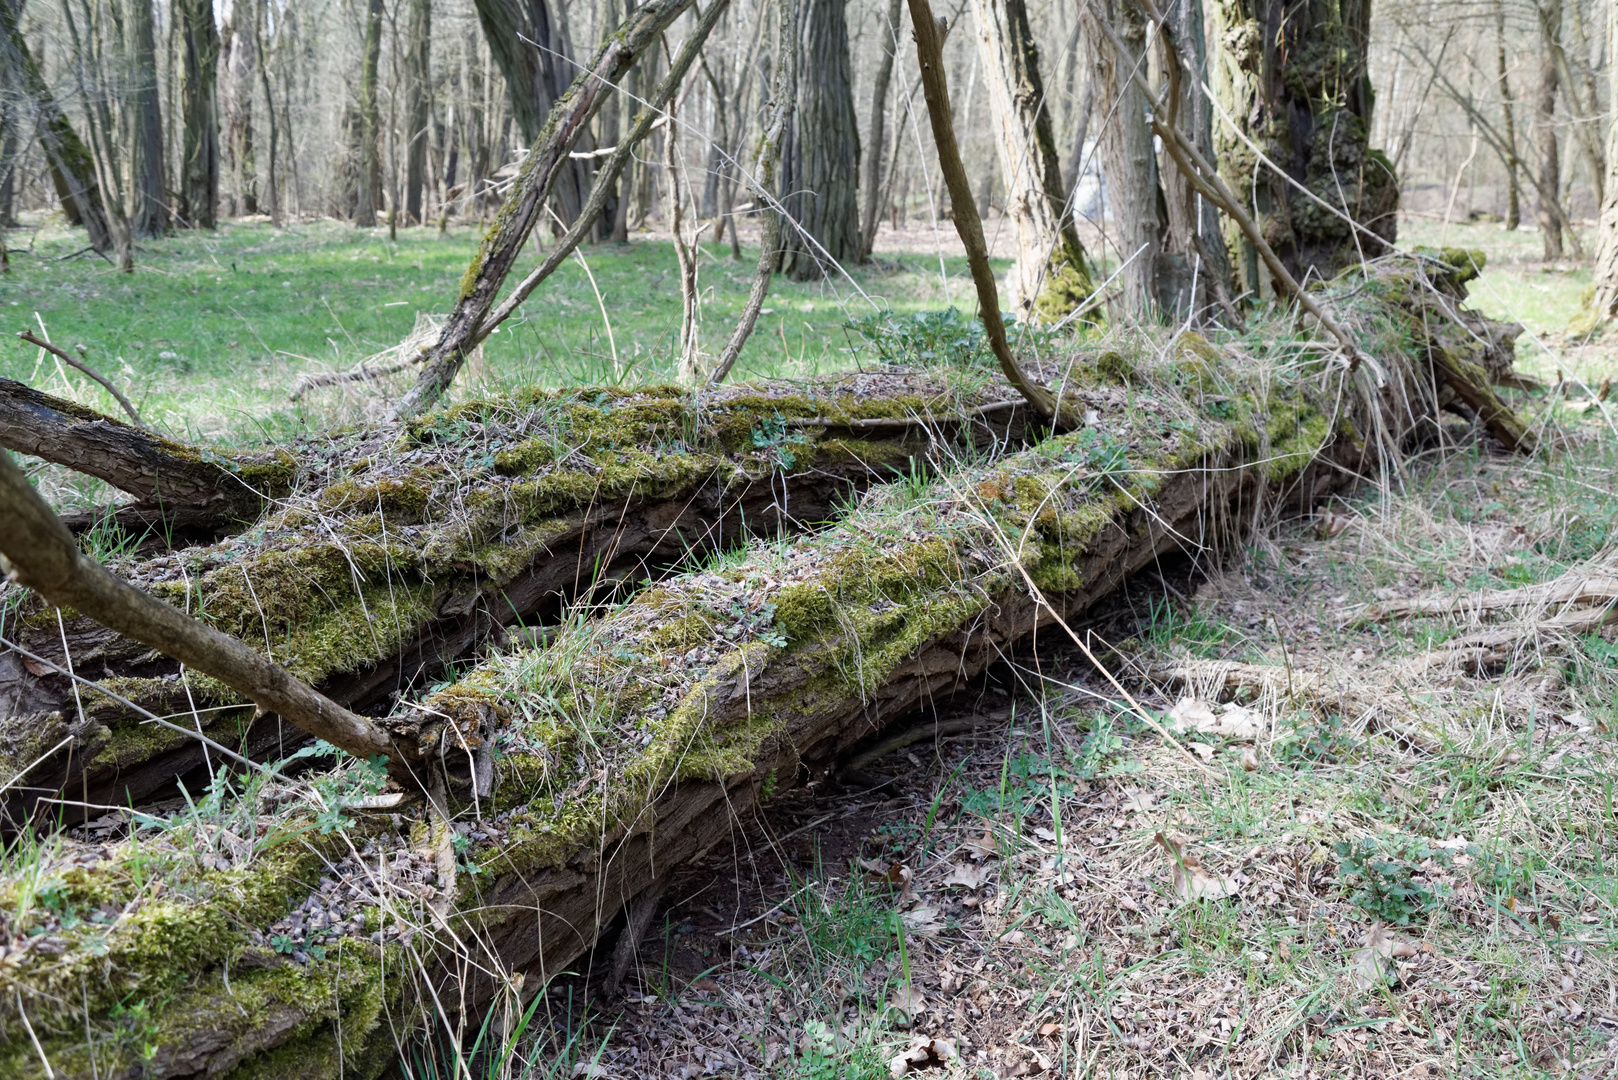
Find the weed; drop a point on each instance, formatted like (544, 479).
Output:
(1389, 882)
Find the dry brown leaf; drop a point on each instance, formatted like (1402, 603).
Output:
(922, 920)
(969, 875)
(1201, 749)
(924, 1053)
(1231, 721)
(1138, 802)
(1332, 524)
(1249, 760)
(1048, 1030)
(1191, 881)
(36, 668)
(1371, 964)
(908, 1000)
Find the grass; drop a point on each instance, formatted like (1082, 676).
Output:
(211, 329)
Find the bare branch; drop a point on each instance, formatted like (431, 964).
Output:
(63, 355)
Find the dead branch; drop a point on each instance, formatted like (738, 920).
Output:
(162, 474)
(525, 204)
(1594, 583)
(37, 551)
(929, 36)
(63, 355)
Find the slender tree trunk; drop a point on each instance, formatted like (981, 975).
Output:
(1293, 74)
(822, 158)
(1126, 150)
(1052, 273)
(891, 42)
(418, 106)
(199, 176)
(151, 211)
(369, 181)
(1604, 301)
(272, 179)
(1513, 163)
(239, 52)
(96, 88)
(72, 169)
(1550, 165)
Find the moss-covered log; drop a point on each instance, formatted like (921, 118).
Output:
(410, 549)
(262, 934)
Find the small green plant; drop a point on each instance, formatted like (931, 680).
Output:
(945, 337)
(1387, 877)
(1322, 740)
(778, 440)
(136, 1032)
(283, 943)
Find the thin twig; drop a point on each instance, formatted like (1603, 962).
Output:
(61, 354)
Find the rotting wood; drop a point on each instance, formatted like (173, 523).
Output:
(628, 743)
(478, 520)
(168, 479)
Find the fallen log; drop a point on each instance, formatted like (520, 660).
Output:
(414, 548)
(276, 937)
(169, 480)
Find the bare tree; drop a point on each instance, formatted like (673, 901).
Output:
(1550, 162)
(891, 42)
(1604, 300)
(151, 200)
(1126, 148)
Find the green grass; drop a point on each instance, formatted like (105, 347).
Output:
(211, 329)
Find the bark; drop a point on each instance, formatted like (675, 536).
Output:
(1604, 300)
(875, 185)
(1126, 149)
(162, 475)
(1550, 165)
(633, 743)
(72, 169)
(97, 85)
(524, 206)
(418, 107)
(821, 153)
(527, 43)
(151, 209)
(469, 549)
(1293, 74)
(272, 177)
(1509, 110)
(1052, 274)
(199, 162)
(239, 56)
(369, 188)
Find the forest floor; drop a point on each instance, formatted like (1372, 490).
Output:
(1394, 855)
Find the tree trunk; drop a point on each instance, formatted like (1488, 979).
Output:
(369, 181)
(97, 87)
(1052, 274)
(1126, 150)
(891, 43)
(418, 107)
(527, 44)
(1550, 164)
(1292, 73)
(1604, 300)
(72, 169)
(199, 166)
(239, 55)
(272, 178)
(151, 210)
(1513, 163)
(821, 155)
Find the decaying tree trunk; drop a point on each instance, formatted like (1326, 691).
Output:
(1051, 276)
(1292, 73)
(588, 764)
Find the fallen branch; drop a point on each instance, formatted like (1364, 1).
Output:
(1592, 584)
(37, 551)
(106, 383)
(163, 475)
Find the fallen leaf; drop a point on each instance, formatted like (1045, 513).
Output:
(1371, 964)
(1138, 802)
(967, 874)
(1048, 1030)
(1201, 749)
(1013, 937)
(1231, 721)
(1332, 524)
(1043, 833)
(1249, 760)
(922, 920)
(1238, 722)
(924, 1053)
(908, 1000)
(1190, 714)
(36, 668)
(1191, 881)
(706, 985)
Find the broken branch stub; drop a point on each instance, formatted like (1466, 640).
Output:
(37, 551)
